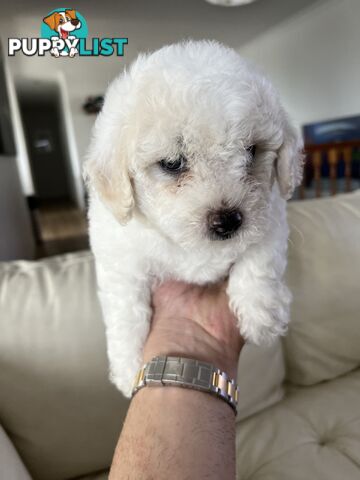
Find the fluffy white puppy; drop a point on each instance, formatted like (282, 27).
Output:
(191, 161)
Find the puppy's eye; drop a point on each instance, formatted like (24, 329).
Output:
(251, 150)
(174, 167)
(61, 20)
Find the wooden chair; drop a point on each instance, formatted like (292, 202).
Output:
(326, 165)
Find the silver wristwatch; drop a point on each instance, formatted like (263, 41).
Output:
(188, 373)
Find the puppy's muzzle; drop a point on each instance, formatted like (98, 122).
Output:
(223, 224)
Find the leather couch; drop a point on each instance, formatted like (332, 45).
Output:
(299, 415)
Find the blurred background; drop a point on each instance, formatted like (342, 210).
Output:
(308, 48)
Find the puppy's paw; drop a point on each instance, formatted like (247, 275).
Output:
(123, 375)
(263, 318)
(263, 327)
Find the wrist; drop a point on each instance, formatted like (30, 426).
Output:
(185, 338)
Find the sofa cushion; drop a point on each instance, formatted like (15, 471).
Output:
(11, 466)
(56, 399)
(104, 475)
(56, 402)
(314, 433)
(261, 374)
(324, 276)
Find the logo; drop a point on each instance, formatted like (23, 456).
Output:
(64, 33)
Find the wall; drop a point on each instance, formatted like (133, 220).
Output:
(148, 25)
(314, 60)
(17, 242)
(310, 49)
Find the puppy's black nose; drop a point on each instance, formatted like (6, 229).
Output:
(223, 223)
(75, 22)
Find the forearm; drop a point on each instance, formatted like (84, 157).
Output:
(172, 432)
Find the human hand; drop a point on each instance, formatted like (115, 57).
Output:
(194, 322)
(165, 426)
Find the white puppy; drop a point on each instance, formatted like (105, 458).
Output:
(191, 161)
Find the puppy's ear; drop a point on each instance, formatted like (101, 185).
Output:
(71, 13)
(51, 20)
(106, 171)
(290, 160)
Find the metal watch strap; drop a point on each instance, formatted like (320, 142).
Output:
(188, 373)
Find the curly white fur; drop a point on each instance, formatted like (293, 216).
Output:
(202, 101)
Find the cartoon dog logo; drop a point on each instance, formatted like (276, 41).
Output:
(63, 23)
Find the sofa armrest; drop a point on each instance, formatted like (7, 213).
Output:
(12, 467)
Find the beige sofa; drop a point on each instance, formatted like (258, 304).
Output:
(299, 414)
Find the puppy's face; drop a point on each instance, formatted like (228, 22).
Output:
(198, 176)
(197, 154)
